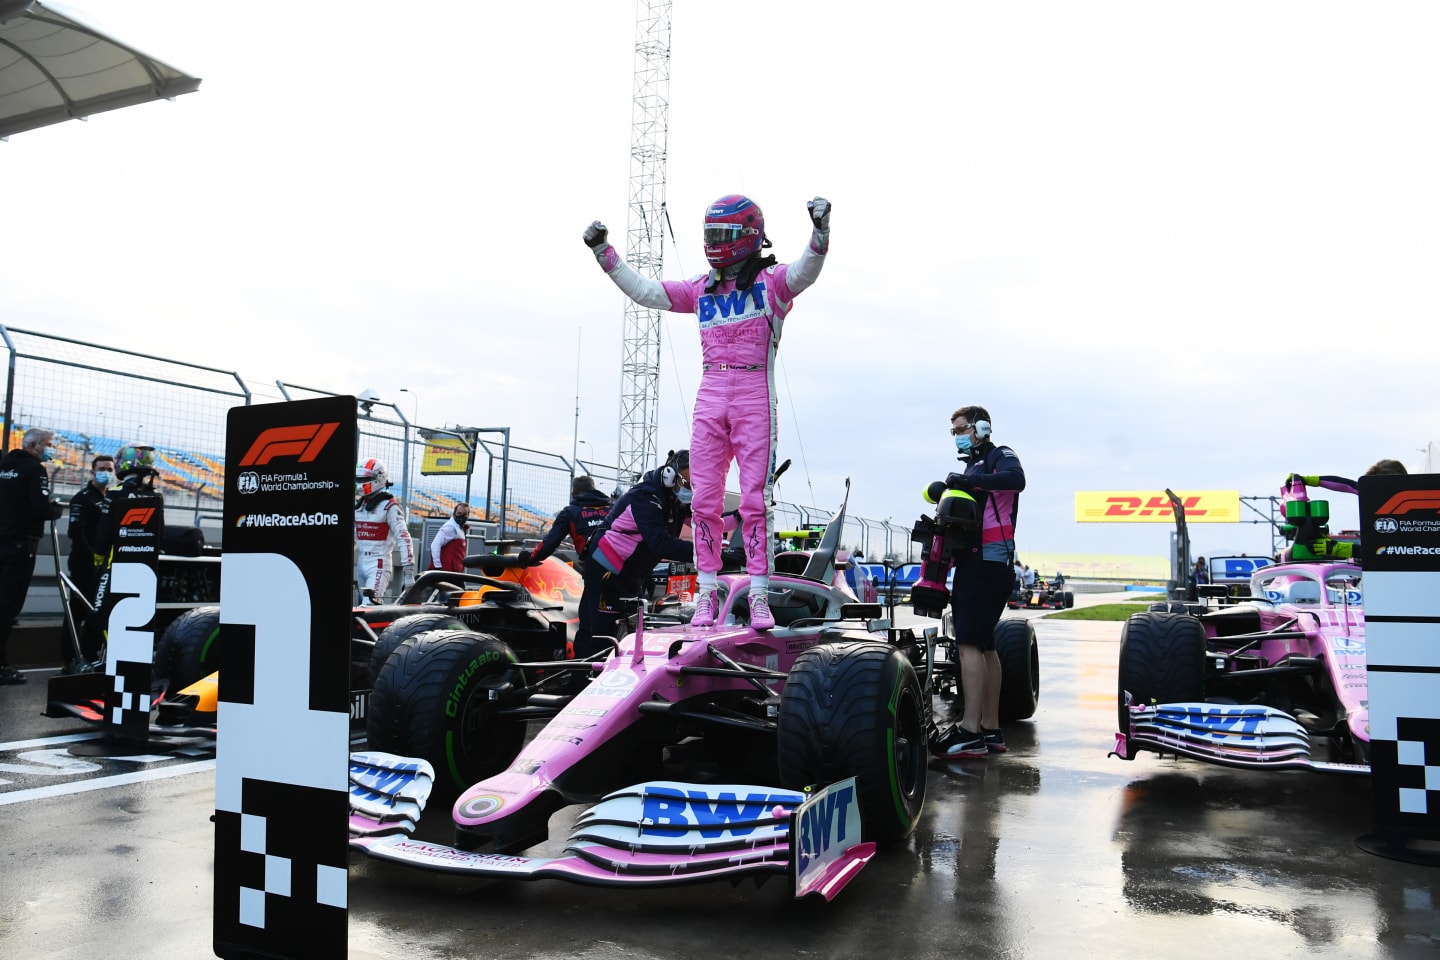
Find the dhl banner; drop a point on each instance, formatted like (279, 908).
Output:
(1152, 506)
(445, 456)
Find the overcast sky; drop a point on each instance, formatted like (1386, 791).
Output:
(1166, 244)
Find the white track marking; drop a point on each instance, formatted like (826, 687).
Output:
(105, 783)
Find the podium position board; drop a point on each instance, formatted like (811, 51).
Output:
(1400, 541)
(282, 750)
(125, 598)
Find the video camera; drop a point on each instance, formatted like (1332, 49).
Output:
(957, 517)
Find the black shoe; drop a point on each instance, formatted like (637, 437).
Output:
(11, 676)
(994, 740)
(957, 743)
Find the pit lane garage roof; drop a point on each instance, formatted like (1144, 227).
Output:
(54, 67)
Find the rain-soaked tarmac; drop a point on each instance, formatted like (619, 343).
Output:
(1050, 850)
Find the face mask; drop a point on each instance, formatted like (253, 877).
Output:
(462, 519)
(103, 477)
(963, 443)
(685, 495)
(46, 456)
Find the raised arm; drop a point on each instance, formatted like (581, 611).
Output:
(644, 291)
(802, 273)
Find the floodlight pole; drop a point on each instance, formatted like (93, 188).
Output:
(645, 245)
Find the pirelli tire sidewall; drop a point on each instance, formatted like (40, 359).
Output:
(433, 699)
(857, 709)
(189, 649)
(1162, 660)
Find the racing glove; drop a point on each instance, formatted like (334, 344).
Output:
(99, 560)
(819, 214)
(1327, 549)
(819, 209)
(596, 237)
(408, 580)
(957, 481)
(527, 559)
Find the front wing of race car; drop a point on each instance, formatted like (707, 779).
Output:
(661, 832)
(1234, 735)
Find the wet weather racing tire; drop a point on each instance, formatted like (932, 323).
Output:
(1162, 660)
(403, 629)
(857, 709)
(1019, 669)
(432, 699)
(189, 649)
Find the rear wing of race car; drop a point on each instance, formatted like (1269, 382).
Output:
(655, 833)
(1230, 577)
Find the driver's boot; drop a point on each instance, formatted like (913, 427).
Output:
(706, 607)
(760, 616)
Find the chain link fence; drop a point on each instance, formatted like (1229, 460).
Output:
(97, 398)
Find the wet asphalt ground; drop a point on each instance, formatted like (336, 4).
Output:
(1050, 850)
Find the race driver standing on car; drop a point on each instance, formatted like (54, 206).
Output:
(741, 306)
(379, 528)
(984, 577)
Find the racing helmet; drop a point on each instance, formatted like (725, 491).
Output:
(734, 230)
(134, 458)
(370, 477)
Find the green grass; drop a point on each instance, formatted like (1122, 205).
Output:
(1101, 611)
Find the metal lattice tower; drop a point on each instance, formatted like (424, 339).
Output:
(645, 246)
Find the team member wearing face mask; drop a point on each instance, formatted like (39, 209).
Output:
(87, 510)
(984, 577)
(24, 507)
(447, 550)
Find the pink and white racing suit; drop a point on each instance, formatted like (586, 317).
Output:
(379, 526)
(735, 407)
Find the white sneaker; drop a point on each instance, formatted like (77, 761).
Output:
(706, 606)
(760, 616)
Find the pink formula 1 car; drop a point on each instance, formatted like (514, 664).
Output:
(1275, 682)
(804, 743)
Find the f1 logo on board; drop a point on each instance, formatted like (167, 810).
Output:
(138, 516)
(1392, 515)
(1155, 506)
(303, 442)
(1408, 500)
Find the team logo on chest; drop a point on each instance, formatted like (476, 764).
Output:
(722, 308)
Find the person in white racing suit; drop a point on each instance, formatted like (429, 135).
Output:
(379, 528)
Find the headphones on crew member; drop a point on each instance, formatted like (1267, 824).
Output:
(982, 429)
(669, 475)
